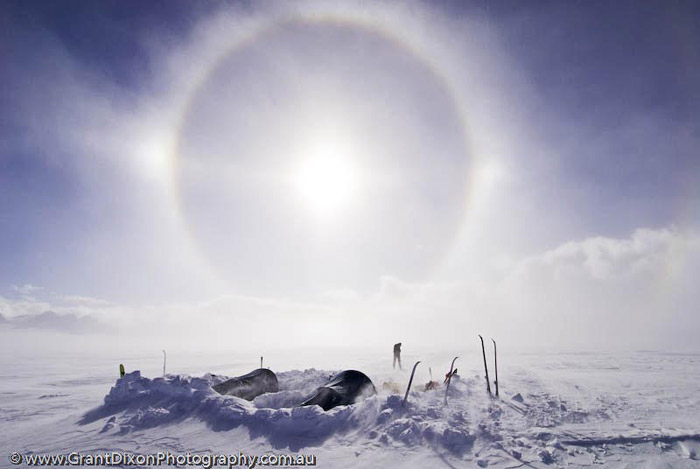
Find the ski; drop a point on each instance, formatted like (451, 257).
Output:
(495, 364)
(410, 381)
(486, 368)
(164, 357)
(449, 378)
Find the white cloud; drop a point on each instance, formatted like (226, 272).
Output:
(609, 258)
(26, 289)
(88, 301)
(590, 293)
(599, 290)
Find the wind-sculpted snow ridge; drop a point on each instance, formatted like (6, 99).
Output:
(532, 427)
(138, 403)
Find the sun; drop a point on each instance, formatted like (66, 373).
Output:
(327, 181)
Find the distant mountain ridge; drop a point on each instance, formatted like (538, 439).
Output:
(50, 320)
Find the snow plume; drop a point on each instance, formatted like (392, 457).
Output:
(596, 292)
(634, 291)
(653, 251)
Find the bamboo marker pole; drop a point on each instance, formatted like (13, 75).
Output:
(495, 364)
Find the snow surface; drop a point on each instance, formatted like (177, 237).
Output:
(577, 409)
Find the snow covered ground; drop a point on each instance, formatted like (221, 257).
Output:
(637, 409)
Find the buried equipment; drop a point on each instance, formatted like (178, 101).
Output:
(249, 386)
(345, 388)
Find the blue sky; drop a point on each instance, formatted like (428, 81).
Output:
(580, 123)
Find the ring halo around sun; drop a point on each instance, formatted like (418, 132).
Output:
(286, 133)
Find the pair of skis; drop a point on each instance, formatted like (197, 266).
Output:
(486, 368)
(449, 379)
(413, 372)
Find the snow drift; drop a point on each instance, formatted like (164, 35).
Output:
(137, 403)
(532, 423)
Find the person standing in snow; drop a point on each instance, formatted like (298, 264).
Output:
(397, 355)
